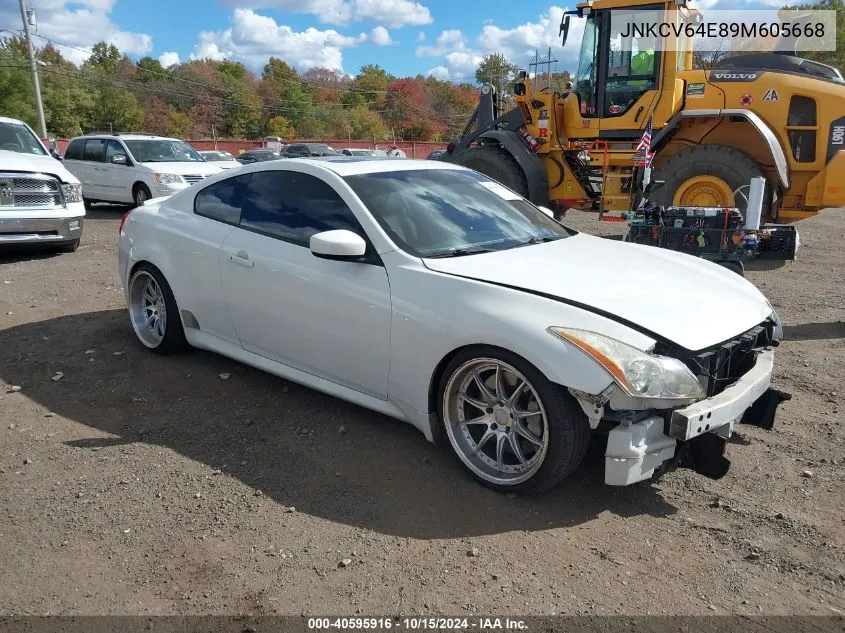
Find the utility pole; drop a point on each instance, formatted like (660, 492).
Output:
(36, 87)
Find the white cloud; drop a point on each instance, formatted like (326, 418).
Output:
(421, 36)
(169, 59)
(447, 42)
(81, 24)
(518, 44)
(253, 38)
(380, 36)
(393, 13)
(438, 72)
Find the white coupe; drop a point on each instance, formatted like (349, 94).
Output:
(430, 293)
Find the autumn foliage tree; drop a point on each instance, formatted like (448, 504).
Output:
(204, 98)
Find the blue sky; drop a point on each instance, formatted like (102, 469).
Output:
(440, 37)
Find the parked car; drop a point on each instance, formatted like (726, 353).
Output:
(219, 158)
(304, 150)
(133, 168)
(258, 156)
(428, 292)
(437, 154)
(40, 200)
(357, 151)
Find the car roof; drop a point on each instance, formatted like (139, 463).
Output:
(128, 137)
(4, 119)
(353, 166)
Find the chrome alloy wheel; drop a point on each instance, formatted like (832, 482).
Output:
(147, 309)
(495, 421)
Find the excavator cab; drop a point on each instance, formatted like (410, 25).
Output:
(774, 116)
(626, 72)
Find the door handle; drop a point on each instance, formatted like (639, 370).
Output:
(639, 112)
(241, 258)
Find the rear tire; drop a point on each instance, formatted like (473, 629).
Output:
(498, 164)
(543, 432)
(153, 312)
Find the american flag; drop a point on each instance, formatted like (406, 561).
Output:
(643, 154)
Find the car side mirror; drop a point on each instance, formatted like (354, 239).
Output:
(339, 244)
(547, 211)
(55, 154)
(119, 159)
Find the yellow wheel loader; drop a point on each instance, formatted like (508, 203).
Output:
(769, 115)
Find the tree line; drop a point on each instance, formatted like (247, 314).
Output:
(224, 99)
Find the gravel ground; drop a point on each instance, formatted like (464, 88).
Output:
(135, 484)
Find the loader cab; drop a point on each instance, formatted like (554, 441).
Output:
(623, 67)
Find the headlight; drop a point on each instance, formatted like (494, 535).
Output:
(778, 333)
(638, 373)
(72, 192)
(168, 179)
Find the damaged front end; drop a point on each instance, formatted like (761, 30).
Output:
(737, 377)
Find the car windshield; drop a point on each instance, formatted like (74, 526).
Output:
(163, 152)
(321, 150)
(444, 212)
(16, 137)
(217, 156)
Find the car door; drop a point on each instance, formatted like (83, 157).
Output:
(328, 318)
(94, 157)
(74, 161)
(119, 176)
(196, 242)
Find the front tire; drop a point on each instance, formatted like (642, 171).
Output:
(509, 426)
(497, 163)
(70, 247)
(140, 194)
(154, 313)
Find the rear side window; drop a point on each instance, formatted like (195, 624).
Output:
(74, 150)
(292, 207)
(95, 150)
(222, 200)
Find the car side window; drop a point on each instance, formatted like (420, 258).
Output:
(95, 151)
(222, 201)
(74, 150)
(113, 149)
(293, 206)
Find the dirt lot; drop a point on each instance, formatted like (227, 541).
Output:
(134, 484)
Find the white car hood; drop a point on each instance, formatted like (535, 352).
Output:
(224, 164)
(689, 301)
(16, 161)
(184, 168)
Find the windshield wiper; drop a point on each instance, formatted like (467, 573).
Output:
(460, 252)
(538, 240)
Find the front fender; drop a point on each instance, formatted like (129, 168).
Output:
(536, 176)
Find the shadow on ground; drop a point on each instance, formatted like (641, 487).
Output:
(282, 438)
(814, 331)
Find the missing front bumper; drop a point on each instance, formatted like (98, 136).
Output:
(636, 452)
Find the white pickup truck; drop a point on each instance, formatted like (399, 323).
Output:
(40, 200)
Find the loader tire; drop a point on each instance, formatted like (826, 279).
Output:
(498, 164)
(706, 176)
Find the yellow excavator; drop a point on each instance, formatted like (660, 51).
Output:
(771, 115)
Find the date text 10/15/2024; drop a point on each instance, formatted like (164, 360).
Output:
(417, 624)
